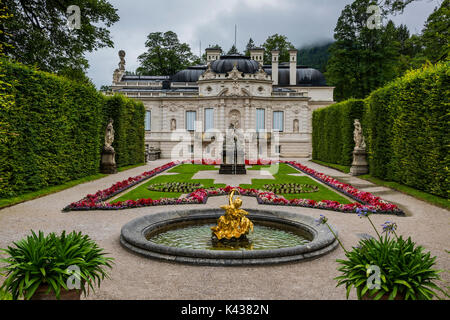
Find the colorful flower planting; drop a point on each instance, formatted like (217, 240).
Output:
(366, 201)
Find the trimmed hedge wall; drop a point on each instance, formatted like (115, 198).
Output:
(406, 128)
(408, 132)
(53, 131)
(128, 116)
(332, 136)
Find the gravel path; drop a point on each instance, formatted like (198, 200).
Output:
(135, 277)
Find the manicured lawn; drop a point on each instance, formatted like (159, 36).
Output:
(185, 174)
(187, 171)
(282, 176)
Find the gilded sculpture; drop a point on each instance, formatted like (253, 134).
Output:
(233, 225)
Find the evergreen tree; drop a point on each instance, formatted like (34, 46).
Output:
(233, 50)
(436, 36)
(315, 56)
(361, 59)
(250, 45)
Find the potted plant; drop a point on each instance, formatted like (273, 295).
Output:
(387, 267)
(53, 267)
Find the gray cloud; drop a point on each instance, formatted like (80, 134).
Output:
(304, 22)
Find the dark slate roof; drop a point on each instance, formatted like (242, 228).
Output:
(190, 74)
(307, 77)
(226, 63)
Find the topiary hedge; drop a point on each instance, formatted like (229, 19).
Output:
(332, 136)
(53, 130)
(407, 130)
(128, 116)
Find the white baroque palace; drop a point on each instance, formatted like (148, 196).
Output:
(190, 112)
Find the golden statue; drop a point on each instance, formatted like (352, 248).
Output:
(234, 224)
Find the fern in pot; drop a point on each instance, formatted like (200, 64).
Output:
(54, 266)
(388, 267)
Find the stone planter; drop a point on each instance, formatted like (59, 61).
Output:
(41, 294)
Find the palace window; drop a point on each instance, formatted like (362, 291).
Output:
(260, 119)
(148, 120)
(278, 121)
(191, 116)
(209, 119)
(278, 149)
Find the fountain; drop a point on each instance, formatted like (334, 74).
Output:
(212, 237)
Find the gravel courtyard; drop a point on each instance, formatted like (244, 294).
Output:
(135, 277)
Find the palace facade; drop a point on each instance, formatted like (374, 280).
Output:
(270, 106)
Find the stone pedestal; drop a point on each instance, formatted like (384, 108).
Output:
(359, 165)
(108, 161)
(233, 157)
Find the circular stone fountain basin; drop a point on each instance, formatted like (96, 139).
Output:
(183, 236)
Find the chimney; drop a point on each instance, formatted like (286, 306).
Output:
(257, 54)
(212, 54)
(275, 56)
(293, 67)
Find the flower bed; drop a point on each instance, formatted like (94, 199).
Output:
(366, 200)
(291, 188)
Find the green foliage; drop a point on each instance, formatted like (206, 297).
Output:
(128, 116)
(250, 45)
(315, 56)
(406, 270)
(332, 136)
(233, 50)
(361, 59)
(53, 129)
(38, 259)
(165, 55)
(277, 42)
(436, 34)
(53, 132)
(37, 33)
(407, 131)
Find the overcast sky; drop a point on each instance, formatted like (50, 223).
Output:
(304, 22)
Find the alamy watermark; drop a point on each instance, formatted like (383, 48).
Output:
(374, 281)
(73, 281)
(73, 17)
(374, 21)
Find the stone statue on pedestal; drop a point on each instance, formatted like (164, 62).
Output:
(358, 136)
(359, 164)
(108, 162)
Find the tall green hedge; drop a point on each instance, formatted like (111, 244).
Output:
(406, 128)
(408, 132)
(52, 130)
(128, 116)
(332, 136)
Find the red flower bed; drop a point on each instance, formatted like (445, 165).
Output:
(375, 204)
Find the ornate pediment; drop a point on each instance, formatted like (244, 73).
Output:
(235, 74)
(208, 74)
